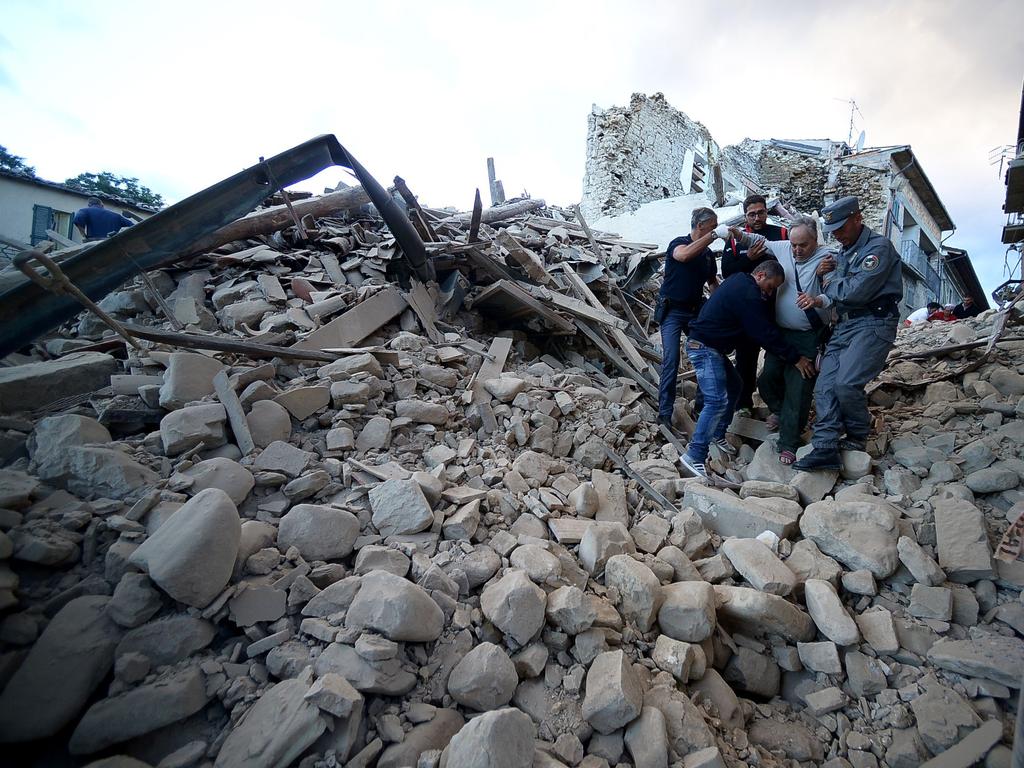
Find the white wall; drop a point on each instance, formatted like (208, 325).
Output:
(17, 198)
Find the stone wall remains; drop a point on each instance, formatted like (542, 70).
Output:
(635, 154)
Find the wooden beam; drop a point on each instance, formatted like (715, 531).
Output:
(236, 415)
(575, 306)
(617, 360)
(620, 338)
(498, 212)
(474, 222)
(269, 220)
(422, 303)
(222, 344)
(492, 367)
(525, 258)
(512, 302)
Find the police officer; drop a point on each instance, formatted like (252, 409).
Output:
(865, 288)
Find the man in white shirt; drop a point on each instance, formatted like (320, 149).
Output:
(786, 393)
(921, 315)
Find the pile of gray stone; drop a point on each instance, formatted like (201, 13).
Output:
(385, 561)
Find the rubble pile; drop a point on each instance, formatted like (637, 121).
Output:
(442, 528)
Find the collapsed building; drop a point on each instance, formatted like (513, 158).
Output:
(331, 485)
(650, 151)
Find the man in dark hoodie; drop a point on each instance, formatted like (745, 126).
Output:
(741, 255)
(738, 310)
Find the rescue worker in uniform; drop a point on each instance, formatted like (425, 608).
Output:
(865, 288)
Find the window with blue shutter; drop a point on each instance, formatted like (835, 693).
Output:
(42, 217)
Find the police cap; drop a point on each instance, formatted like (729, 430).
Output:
(836, 214)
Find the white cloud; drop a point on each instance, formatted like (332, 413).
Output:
(181, 95)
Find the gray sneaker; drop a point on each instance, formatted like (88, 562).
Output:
(694, 467)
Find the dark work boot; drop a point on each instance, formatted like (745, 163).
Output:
(853, 444)
(818, 459)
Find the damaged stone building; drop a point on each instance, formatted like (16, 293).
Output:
(650, 151)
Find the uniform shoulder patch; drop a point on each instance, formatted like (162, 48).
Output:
(870, 262)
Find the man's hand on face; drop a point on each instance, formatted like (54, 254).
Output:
(828, 264)
(806, 367)
(757, 250)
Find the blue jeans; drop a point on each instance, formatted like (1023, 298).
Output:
(676, 322)
(720, 385)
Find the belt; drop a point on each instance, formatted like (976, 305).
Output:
(674, 304)
(883, 308)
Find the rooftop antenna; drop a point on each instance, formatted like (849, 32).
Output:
(854, 109)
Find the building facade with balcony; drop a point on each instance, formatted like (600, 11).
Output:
(1013, 232)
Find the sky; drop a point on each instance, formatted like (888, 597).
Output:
(184, 94)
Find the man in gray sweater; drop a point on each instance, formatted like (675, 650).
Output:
(786, 393)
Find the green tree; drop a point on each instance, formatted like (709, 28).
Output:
(9, 162)
(107, 183)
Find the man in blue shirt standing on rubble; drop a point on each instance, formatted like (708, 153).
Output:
(98, 223)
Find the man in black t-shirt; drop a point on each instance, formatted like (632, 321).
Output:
(739, 258)
(689, 266)
(966, 308)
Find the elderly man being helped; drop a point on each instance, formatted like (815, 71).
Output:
(784, 390)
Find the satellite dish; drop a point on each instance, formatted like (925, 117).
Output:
(860, 142)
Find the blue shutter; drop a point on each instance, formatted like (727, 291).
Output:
(42, 217)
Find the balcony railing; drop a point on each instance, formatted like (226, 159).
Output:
(917, 260)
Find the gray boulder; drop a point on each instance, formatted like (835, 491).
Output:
(614, 694)
(275, 731)
(502, 738)
(69, 660)
(860, 534)
(515, 605)
(396, 608)
(400, 508)
(191, 556)
(484, 679)
(318, 532)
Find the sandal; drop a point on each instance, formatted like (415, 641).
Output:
(786, 457)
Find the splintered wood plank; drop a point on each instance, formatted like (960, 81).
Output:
(359, 322)
(575, 307)
(507, 299)
(617, 360)
(236, 415)
(525, 258)
(621, 340)
(422, 304)
(491, 368)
